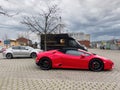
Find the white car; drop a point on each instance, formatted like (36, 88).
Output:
(20, 51)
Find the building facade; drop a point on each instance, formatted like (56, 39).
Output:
(82, 38)
(108, 44)
(23, 41)
(17, 42)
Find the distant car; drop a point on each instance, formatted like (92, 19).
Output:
(74, 59)
(102, 47)
(20, 51)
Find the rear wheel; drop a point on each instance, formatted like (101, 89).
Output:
(96, 65)
(45, 64)
(9, 56)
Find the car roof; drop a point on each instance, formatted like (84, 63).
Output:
(20, 46)
(65, 49)
(72, 49)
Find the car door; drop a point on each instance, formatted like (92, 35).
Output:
(16, 51)
(24, 51)
(73, 59)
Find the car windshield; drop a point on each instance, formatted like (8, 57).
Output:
(73, 43)
(85, 53)
(29, 48)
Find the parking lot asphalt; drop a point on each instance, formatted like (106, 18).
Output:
(23, 74)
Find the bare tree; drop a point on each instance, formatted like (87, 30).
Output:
(45, 22)
(2, 11)
(5, 12)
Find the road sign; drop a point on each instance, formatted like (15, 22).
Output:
(6, 41)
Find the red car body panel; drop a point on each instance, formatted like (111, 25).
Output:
(62, 60)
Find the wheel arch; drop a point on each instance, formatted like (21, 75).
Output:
(32, 53)
(44, 57)
(9, 53)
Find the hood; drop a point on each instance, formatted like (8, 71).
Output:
(38, 50)
(101, 57)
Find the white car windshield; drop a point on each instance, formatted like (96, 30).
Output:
(29, 48)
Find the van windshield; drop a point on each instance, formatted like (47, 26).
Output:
(73, 43)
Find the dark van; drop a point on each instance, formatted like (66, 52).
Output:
(58, 41)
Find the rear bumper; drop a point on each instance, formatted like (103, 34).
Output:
(4, 55)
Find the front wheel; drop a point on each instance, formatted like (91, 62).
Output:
(33, 55)
(96, 65)
(45, 64)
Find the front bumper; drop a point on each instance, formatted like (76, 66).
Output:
(108, 65)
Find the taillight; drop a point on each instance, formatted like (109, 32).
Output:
(3, 50)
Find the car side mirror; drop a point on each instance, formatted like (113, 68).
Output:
(82, 56)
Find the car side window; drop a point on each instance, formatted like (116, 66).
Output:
(74, 52)
(22, 48)
(15, 48)
(86, 54)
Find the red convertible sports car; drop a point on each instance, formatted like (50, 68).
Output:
(73, 59)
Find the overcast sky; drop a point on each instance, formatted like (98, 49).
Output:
(99, 18)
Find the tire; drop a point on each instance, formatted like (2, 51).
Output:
(96, 65)
(9, 56)
(45, 64)
(33, 55)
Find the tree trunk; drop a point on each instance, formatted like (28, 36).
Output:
(45, 42)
